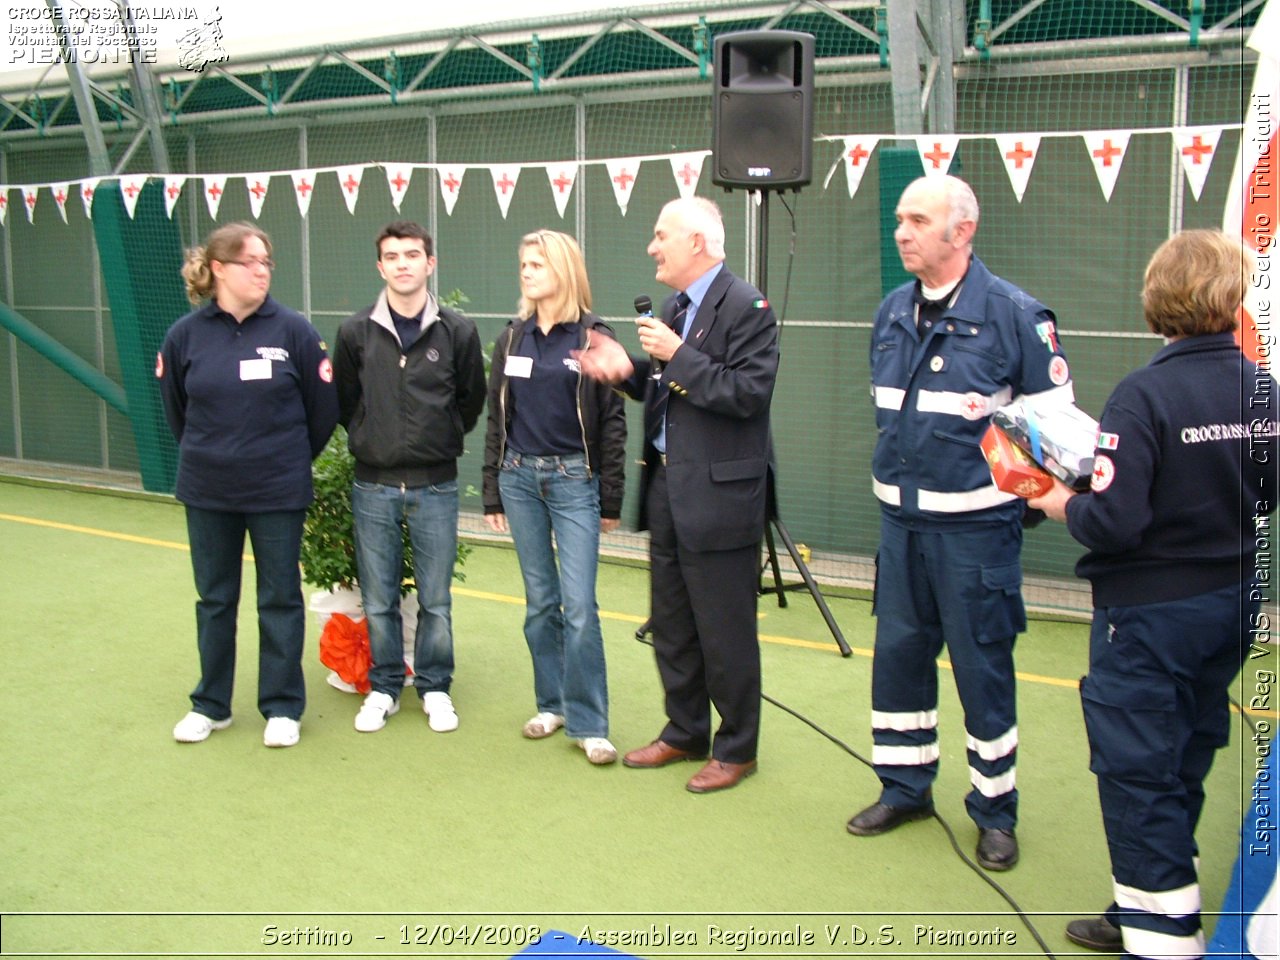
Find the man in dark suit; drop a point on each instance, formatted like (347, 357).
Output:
(706, 383)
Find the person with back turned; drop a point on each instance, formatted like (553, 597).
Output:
(707, 383)
(1184, 482)
(947, 350)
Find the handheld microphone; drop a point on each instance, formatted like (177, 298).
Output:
(644, 307)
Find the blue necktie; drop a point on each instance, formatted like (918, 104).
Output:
(656, 422)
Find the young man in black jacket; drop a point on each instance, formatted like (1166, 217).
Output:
(411, 385)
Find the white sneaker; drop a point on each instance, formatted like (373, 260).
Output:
(338, 683)
(195, 727)
(374, 712)
(599, 750)
(438, 706)
(542, 725)
(281, 732)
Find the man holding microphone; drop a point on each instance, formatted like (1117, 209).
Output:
(706, 384)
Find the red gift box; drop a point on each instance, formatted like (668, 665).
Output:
(1012, 468)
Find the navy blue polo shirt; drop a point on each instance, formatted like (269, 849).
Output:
(545, 404)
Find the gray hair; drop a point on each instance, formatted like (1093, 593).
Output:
(700, 215)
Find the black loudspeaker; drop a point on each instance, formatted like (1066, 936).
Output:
(762, 110)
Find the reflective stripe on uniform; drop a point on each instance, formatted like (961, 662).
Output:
(993, 786)
(936, 501)
(1161, 946)
(912, 720)
(971, 406)
(887, 493)
(889, 398)
(1182, 902)
(1001, 746)
(904, 756)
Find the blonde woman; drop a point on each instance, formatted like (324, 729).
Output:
(248, 393)
(554, 461)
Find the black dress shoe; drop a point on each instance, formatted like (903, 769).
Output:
(1096, 933)
(881, 818)
(997, 849)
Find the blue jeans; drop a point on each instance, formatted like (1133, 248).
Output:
(543, 496)
(430, 514)
(217, 554)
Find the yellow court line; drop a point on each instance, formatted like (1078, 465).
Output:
(519, 601)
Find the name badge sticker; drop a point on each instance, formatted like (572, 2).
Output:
(259, 369)
(519, 367)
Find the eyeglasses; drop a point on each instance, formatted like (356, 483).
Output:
(251, 264)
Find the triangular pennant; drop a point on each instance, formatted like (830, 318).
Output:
(504, 185)
(172, 190)
(1106, 150)
(130, 188)
(622, 174)
(857, 153)
(29, 197)
(4, 203)
(258, 184)
(1019, 151)
(349, 181)
(1196, 149)
(214, 187)
(398, 178)
(87, 189)
(450, 184)
(687, 169)
(304, 184)
(60, 191)
(561, 176)
(937, 150)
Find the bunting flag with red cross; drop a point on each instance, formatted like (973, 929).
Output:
(258, 184)
(398, 177)
(450, 184)
(687, 169)
(504, 185)
(1196, 147)
(130, 190)
(937, 150)
(172, 190)
(1019, 151)
(1253, 204)
(88, 188)
(622, 174)
(856, 156)
(60, 192)
(30, 195)
(1106, 150)
(4, 202)
(561, 176)
(304, 184)
(349, 181)
(214, 187)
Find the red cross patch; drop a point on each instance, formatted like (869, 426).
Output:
(974, 406)
(326, 370)
(1104, 471)
(1059, 373)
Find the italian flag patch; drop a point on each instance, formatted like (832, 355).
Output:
(760, 304)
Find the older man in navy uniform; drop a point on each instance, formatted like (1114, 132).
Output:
(946, 351)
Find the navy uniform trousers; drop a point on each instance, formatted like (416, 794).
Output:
(957, 585)
(1155, 710)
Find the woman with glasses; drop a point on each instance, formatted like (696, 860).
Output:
(553, 475)
(248, 392)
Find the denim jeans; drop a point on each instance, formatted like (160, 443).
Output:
(431, 515)
(542, 497)
(217, 555)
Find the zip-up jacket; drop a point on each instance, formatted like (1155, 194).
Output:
(601, 418)
(1184, 475)
(936, 385)
(407, 411)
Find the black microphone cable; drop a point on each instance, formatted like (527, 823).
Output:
(951, 837)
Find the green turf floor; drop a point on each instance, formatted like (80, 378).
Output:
(119, 842)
